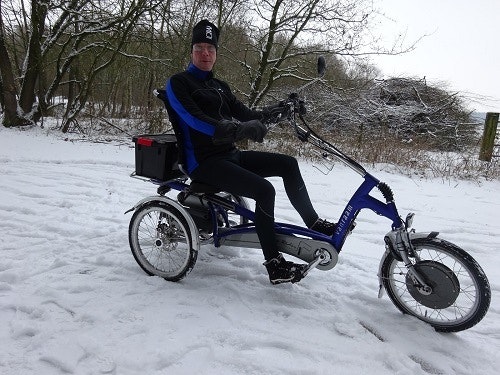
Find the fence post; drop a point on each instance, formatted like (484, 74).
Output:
(489, 133)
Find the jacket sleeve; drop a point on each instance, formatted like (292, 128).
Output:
(242, 113)
(239, 110)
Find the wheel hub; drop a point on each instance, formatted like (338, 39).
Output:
(443, 285)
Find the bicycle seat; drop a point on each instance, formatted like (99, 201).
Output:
(201, 187)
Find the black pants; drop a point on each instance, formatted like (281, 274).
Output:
(243, 173)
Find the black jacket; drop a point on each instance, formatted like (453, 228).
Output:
(198, 102)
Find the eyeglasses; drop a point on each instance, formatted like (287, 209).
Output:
(199, 48)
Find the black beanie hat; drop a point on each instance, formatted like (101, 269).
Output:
(205, 32)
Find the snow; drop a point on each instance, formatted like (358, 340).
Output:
(73, 300)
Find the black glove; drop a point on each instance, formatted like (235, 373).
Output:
(253, 129)
(301, 110)
(299, 106)
(276, 112)
(225, 132)
(229, 131)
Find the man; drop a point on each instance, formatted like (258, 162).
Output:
(208, 119)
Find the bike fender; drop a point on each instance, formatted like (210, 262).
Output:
(185, 214)
(391, 238)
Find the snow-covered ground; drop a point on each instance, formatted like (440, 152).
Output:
(73, 300)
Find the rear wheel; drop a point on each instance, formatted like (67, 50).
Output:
(459, 294)
(161, 242)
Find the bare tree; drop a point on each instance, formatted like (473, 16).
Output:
(74, 41)
(106, 56)
(282, 32)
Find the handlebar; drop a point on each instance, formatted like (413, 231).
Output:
(306, 134)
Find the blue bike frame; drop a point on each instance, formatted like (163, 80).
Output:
(361, 199)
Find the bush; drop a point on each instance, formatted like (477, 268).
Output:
(406, 109)
(385, 151)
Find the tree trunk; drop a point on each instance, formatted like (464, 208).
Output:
(72, 83)
(33, 58)
(9, 90)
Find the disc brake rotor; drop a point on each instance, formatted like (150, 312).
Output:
(443, 282)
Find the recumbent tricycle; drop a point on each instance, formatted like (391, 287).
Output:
(424, 276)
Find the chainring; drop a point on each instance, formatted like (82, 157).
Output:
(444, 284)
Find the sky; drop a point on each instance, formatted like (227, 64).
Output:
(74, 301)
(461, 46)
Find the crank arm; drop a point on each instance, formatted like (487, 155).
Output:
(321, 257)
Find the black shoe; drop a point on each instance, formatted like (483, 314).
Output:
(324, 227)
(282, 271)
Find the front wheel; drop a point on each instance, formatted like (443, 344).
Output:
(459, 294)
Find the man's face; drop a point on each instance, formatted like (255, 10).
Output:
(203, 56)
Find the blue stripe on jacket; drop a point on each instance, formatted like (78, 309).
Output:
(186, 120)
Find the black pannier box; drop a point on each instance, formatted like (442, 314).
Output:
(156, 156)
